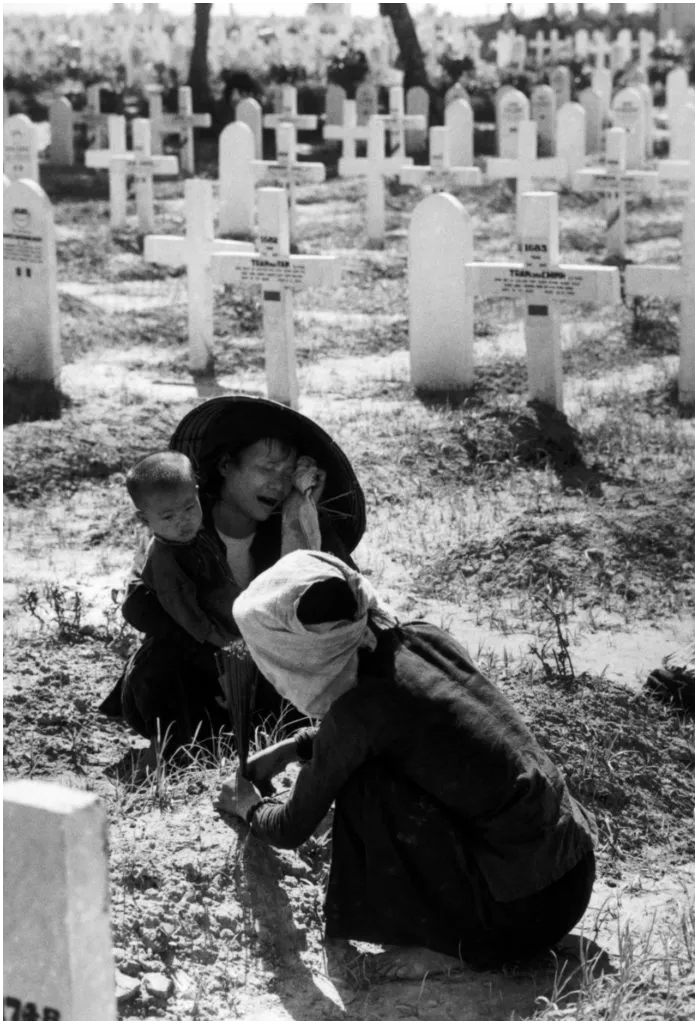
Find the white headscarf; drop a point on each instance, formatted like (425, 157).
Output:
(309, 665)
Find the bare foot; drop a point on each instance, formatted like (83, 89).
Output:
(411, 963)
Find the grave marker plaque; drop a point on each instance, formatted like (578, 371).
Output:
(30, 306)
(58, 960)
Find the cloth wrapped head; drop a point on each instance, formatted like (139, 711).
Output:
(304, 621)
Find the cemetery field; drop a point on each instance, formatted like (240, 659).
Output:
(558, 549)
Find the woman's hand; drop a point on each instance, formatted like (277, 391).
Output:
(308, 478)
(238, 796)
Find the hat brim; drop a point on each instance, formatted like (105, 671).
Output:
(233, 422)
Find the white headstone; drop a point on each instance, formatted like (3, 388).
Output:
(195, 252)
(647, 42)
(397, 122)
(20, 153)
(155, 116)
(618, 57)
(62, 150)
(512, 109)
(648, 110)
(458, 119)
(561, 84)
(334, 104)
(602, 82)
(676, 90)
(502, 46)
(539, 47)
(629, 113)
(571, 136)
(58, 958)
(518, 52)
(30, 301)
(581, 43)
(440, 311)
(236, 180)
(681, 132)
(456, 92)
(417, 102)
(543, 115)
(279, 275)
(249, 112)
(592, 102)
(543, 283)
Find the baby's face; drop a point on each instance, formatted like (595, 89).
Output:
(174, 515)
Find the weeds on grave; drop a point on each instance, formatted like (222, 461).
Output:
(63, 612)
(654, 325)
(652, 978)
(554, 652)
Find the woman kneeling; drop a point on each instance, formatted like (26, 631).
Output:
(453, 831)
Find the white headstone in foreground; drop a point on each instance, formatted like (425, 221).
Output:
(440, 311)
(236, 180)
(543, 283)
(30, 300)
(58, 959)
(195, 251)
(279, 275)
(20, 149)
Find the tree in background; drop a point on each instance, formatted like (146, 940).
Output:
(198, 65)
(411, 55)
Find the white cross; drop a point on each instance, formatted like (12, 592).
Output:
(600, 48)
(539, 47)
(139, 163)
(182, 123)
(195, 251)
(118, 169)
(279, 274)
(92, 116)
(440, 163)
(348, 133)
(544, 284)
(288, 169)
(378, 167)
(289, 113)
(527, 168)
(615, 182)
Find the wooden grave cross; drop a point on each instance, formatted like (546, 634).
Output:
(118, 168)
(289, 170)
(615, 182)
(91, 116)
(544, 284)
(58, 956)
(182, 124)
(440, 163)
(527, 168)
(30, 308)
(396, 121)
(195, 251)
(348, 132)
(678, 282)
(138, 163)
(289, 114)
(600, 48)
(279, 275)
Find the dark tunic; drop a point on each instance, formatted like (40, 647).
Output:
(452, 827)
(171, 682)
